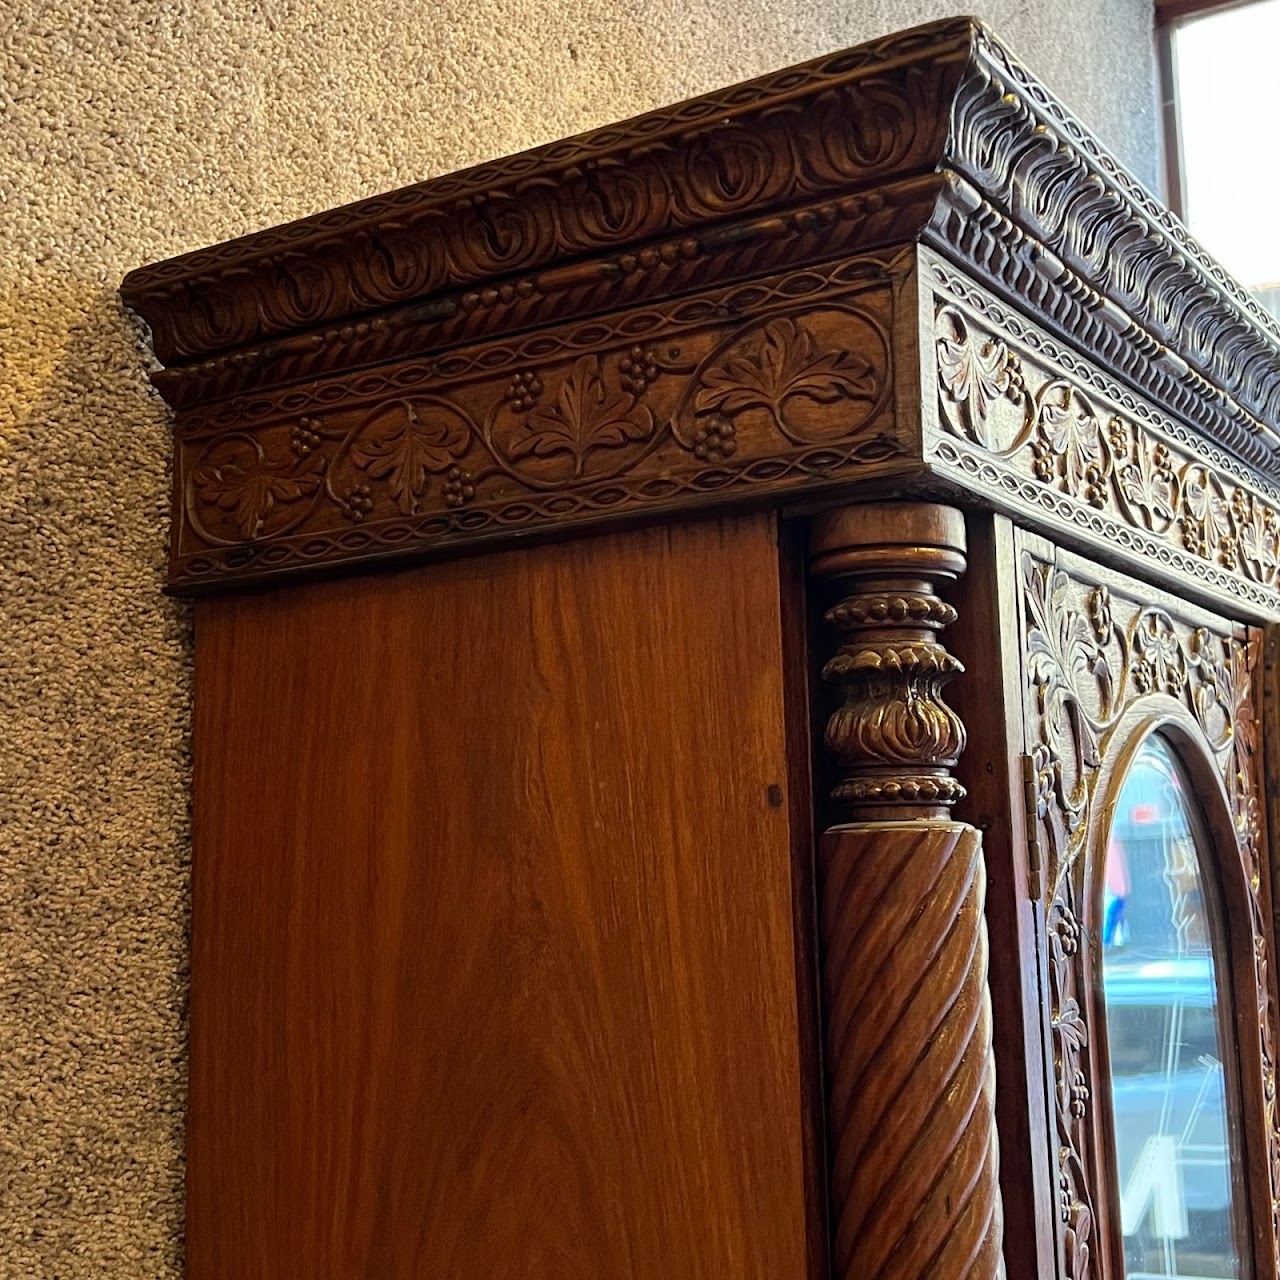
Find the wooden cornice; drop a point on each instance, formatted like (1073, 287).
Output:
(687, 217)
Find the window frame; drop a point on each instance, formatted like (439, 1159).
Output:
(1169, 16)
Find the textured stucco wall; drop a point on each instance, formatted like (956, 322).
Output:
(130, 131)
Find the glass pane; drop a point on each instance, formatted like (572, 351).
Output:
(1228, 113)
(1164, 1032)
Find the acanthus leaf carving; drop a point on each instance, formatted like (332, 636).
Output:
(1159, 659)
(1090, 655)
(1145, 479)
(1206, 516)
(239, 478)
(1070, 443)
(535, 431)
(976, 371)
(1089, 453)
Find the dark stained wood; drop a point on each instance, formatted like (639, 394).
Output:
(493, 966)
(910, 1069)
(507, 961)
(798, 690)
(988, 700)
(1107, 660)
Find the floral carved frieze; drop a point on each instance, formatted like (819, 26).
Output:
(765, 403)
(1059, 438)
(1092, 654)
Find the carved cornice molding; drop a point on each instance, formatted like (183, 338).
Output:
(873, 114)
(1092, 233)
(935, 137)
(750, 393)
(1031, 195)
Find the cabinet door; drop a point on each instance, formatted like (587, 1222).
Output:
(1159, 1015)
(499, 912)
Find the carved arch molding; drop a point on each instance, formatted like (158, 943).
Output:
(1103, 659)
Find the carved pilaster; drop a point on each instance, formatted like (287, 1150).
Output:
(911, 1079)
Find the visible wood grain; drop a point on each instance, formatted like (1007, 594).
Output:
(493, 949)
(712, 305)
(801, 753)
(907, 1014)
(912, 1107)
(1092, 633)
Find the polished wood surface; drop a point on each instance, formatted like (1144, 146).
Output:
(911, 1074)
(732, 300)
(494, 966)
(987, 698)
(1106, 661)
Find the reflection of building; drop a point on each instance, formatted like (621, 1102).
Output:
(1167, 1089)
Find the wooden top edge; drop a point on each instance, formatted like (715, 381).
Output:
(948, 99)
(624, 185)
(887, 524)
(545, 161)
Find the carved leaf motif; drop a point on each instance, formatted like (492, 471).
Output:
(1070, 1025)
(788, 364)
(1206, 523)
(1067, 665)
(246, 484)
(1159, 664)
(587, 415)
(1077, 1239)
(1259, 538)
(975, 375)
(1147, 484)
(1070, 431)
(1155, 653)
(403, 448)
(1239, 677)
(1213, 700)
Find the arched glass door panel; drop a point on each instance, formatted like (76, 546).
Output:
(1179, 1184)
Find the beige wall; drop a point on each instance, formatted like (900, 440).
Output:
(134, 129)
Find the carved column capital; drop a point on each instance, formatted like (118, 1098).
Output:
(894, 736)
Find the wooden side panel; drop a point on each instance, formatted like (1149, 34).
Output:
(493, 953)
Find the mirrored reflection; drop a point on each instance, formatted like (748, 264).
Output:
(1168, 1088)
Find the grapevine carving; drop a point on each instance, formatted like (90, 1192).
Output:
(1090, 654)
(1065, 437)
(937, 136)
(975, 370)
(781, 395)
(785, 367)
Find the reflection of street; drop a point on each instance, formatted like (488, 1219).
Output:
(1168, 1091)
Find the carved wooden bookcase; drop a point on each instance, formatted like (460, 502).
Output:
(536, 513)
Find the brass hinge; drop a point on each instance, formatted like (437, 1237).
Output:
(1032, 816)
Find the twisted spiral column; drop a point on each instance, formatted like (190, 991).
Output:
(910, 1071)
